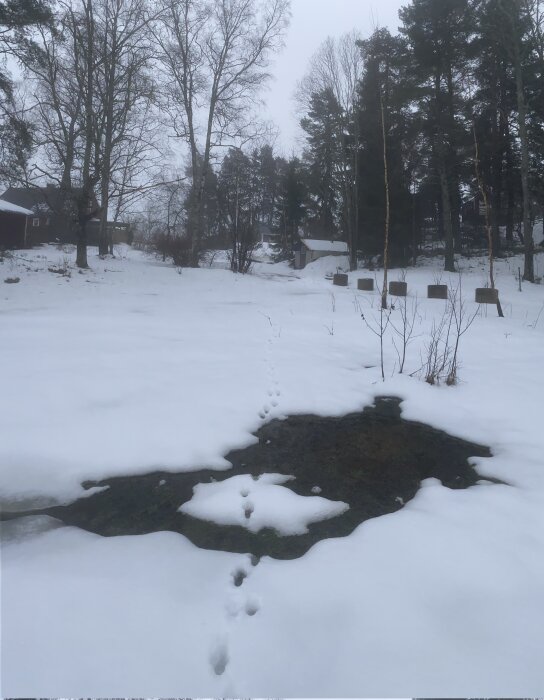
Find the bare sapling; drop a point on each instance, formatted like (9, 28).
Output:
(405, 330)
(483, 192)
(462, 321)
(379, 328)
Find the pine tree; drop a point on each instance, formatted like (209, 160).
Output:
(438, 33)
(324, 157)
(291, 204)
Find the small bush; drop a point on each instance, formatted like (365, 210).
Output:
(175, 248)
(63, 268)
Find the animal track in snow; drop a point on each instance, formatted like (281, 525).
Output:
(238, 577)
(219, 658)
(252, 607)
(248, 509)
(273, 389)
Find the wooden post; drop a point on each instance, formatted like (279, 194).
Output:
(398, 289)
(340, 280)
(365, 284)
(437, 291)
(487, 295)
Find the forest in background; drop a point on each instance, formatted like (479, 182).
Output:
(432, 134)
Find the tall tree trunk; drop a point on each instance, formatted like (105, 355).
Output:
(510, 194)
(387, 210)
(496, 176)
(455, 200)
(81, 245)
(442, 166)
(529, 269)
(449, 253)
(356, 198)
(452, 163)
(513, 16)
(103, 242)
(483, 192)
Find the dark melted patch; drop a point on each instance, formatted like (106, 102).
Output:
(373, 460)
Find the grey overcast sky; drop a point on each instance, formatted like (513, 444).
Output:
(311, 22)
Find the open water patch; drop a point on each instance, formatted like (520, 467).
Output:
(373, 460)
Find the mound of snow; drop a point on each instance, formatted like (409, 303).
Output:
(327, 265)
(259, 503)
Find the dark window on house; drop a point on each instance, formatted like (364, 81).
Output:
(47, 221)
(35, 222)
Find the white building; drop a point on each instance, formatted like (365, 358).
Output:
(311, 249)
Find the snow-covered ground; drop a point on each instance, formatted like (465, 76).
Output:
(133, 366)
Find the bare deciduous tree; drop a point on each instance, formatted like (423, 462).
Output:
(62, 67)
(214, 54)
(124, 91)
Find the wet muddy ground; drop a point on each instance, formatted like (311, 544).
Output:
(372, 460)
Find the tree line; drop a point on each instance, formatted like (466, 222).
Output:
(441, 131)
(114, 90)
(434, 132)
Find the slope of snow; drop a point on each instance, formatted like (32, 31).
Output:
(132, 366)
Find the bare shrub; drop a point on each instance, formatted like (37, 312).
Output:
(405, 329)
(243, 245)
(175, 248)
(62, 269)
(442, 351)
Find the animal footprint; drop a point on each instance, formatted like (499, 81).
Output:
(252, 607)
(219, 658)
(238, 577)
(248, 509)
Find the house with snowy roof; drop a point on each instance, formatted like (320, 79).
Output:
(13, 225)
(52, 219)
(311, 249)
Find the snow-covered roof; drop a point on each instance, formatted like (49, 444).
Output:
(325, 246)
(14, 208)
